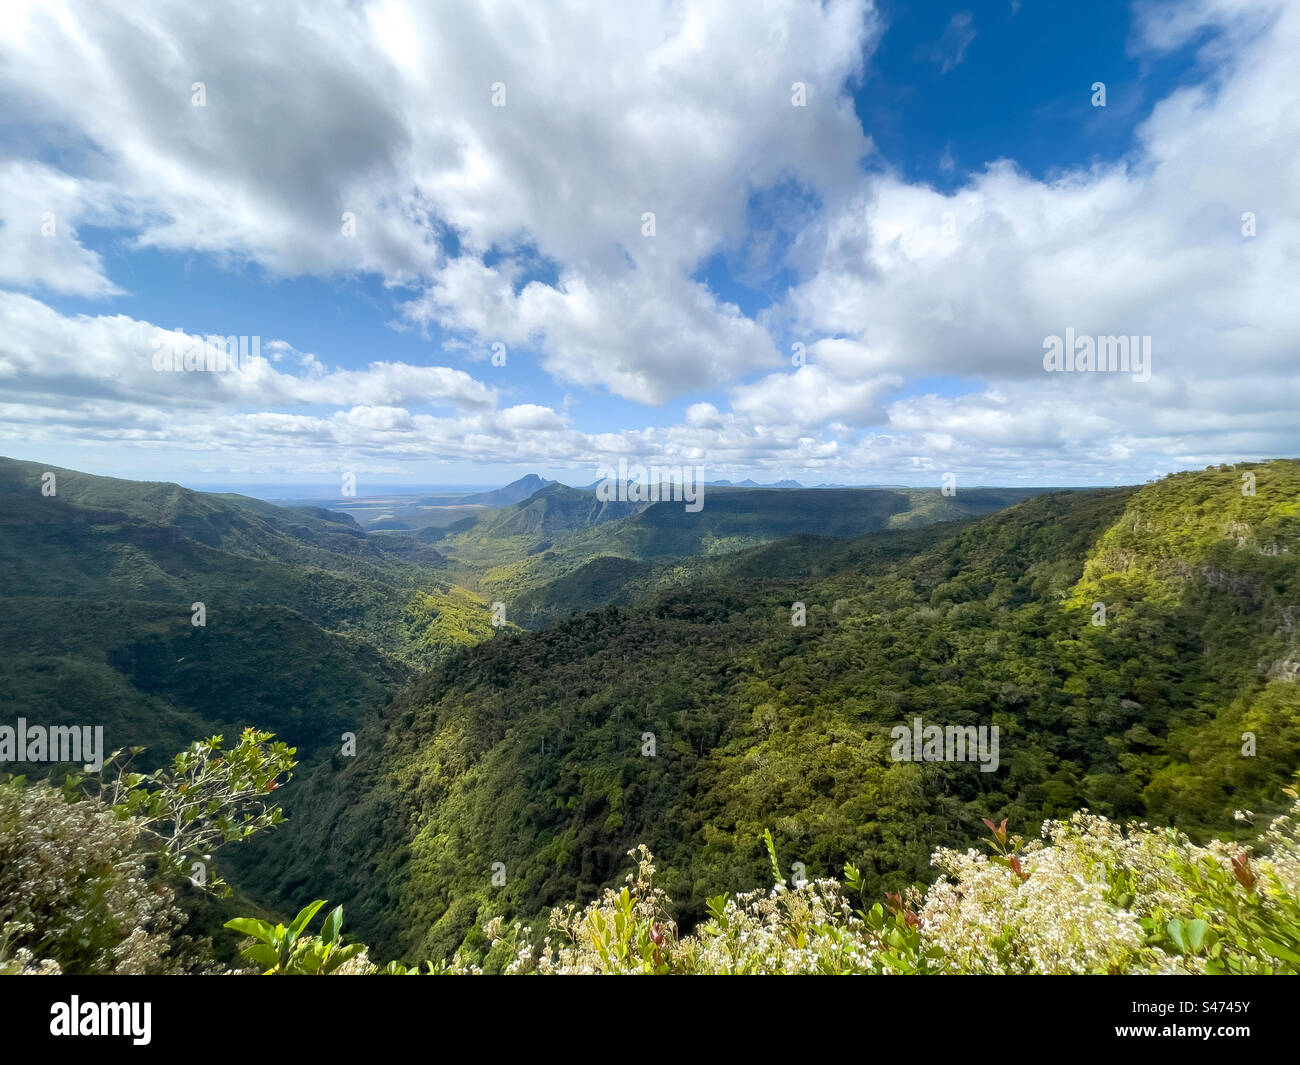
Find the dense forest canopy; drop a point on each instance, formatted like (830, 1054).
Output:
(1132, 651)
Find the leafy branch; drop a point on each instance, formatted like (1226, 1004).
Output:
(206, 797)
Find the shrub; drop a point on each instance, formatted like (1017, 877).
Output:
(73, 889)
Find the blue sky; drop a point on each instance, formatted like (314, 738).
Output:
(948, 197)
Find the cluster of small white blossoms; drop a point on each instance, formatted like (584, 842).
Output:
(987, 920)
(69, 873)
(1282, 840)
(585, 943)
(22, 962)
(1106, 852)
(1074, 906)
(357, 965)
(805, 930)
(1064, 916)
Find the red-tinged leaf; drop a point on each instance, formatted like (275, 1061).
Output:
(1242, 871)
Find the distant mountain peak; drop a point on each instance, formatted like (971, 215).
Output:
(514, 492)
(749, 482)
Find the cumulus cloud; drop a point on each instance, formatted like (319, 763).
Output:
(384, 113)
(77, 360)
(646, 337)
(969, 284)
(40, 210)
(923, 313)
(813, 394)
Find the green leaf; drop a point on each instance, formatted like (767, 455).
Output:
(266, 956)
(1196, 934)
(771, 853)
(304, 918)
(333, 925)
(250, 926)
(1175, 930)
(307, 957)
(1279, 951)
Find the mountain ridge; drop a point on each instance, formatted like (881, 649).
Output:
(529, 750)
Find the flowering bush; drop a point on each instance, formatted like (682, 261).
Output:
(85, 870)
(73, 891)
(1090, 896)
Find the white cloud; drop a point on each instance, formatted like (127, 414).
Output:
(40, 209)
(950, 49)
(384, 110)
(813, 394)
(643, 336)
(968, 285)
(81, 359)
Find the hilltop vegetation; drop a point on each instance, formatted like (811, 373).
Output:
(528, 750)
(703, 678)
(564, 552)
(309, 624)
(90, 877)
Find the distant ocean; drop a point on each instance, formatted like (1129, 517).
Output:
(332, 491)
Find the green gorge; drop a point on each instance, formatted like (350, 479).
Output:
(528, 749)
(683, 681)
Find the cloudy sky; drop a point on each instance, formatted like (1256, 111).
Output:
(783, 238)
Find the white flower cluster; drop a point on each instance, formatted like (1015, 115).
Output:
(807, 929)
(1080, 904)
(1058, 919)
(1091, 896)
(72, 885)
